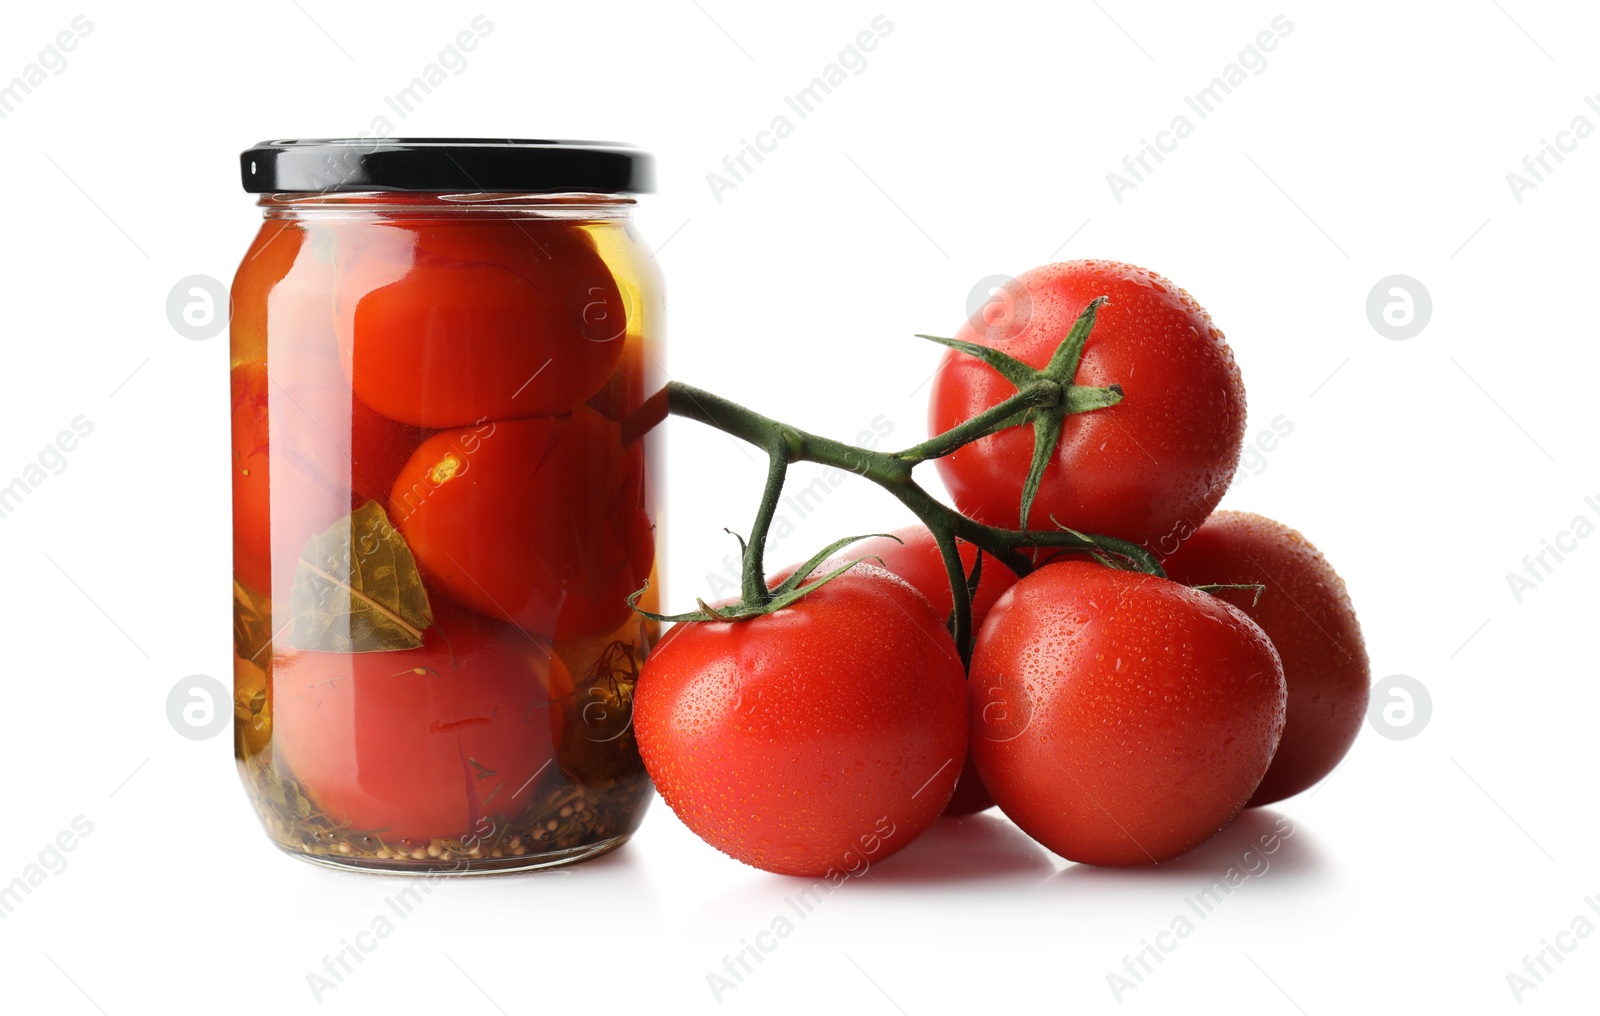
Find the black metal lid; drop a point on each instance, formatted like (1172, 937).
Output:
(456, 165)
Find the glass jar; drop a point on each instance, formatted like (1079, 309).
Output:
(444, 483)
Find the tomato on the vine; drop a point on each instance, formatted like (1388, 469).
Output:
(541, 522)
(422, 743)
(450, 323)
(913, 554)
(1306, 612)
(813, 740)
(1148, 469)
(1121, 718)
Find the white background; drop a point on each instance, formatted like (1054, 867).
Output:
(1376, 141)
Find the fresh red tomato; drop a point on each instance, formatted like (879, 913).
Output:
(914, 555)
(541, 522)
(422, 743)
(1307, 613)
(1149, 469)
(812, 741)
(449, 323)
(1120, 718)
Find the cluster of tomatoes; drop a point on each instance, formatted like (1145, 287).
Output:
(1118, 716)
(470, 377)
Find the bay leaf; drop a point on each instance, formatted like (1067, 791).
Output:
(358, 590)
(252, 623)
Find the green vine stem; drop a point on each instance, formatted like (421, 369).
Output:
(1045, 397)
(753, 581)
(892, 471)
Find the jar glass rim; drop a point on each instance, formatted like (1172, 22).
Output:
(448, 204)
